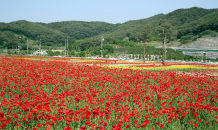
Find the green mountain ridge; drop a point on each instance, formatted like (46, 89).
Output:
(185, 21)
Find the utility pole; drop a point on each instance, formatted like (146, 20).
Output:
(65, 47)
(102, 39)
(18, 48)
(40, 45)
(27, 46)
(40, 48)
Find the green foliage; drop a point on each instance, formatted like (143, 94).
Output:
(120, 32)
(192, 57)
(76, 45)
(95, 50)
(108, 48)
(150, 50)
(169, 30)
(145, 33)
(125, 43)
(33, 31)
(128, 34)
(185, 39)
(203, 20)
(207, 32)
(204, 59)
(140, 56)
(200, 59)
(70, 47)
(8, 39)
(82, 54)
(81, 29)
(71, 53)
(50, 53)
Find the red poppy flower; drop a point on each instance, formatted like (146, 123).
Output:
(67, 128)
(18, 125)
(77, 119)
(161, 125)
(191, 122)
(127, 126)
(136, 122)
(138, 126)
(39, 125)
(199, 120)
(144, 125)
(35, 128)
(82, 128)
(48, 128)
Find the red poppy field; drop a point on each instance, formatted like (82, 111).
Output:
(55, 95)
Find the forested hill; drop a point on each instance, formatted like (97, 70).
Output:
(185, 21)
(52, 33)
(9, 33)
(128, 29)
(80, 29)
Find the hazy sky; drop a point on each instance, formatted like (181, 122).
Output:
(111, 11)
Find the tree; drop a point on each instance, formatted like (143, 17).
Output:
(128, 34)
(204, 59)
(50, 53)
(70, 47)
(200, 58)
(164, 30)
(144, 35)
(82, 54)
(192, 57)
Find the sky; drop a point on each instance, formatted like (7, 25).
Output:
(110, 11)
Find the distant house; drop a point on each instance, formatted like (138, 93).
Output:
(40, 52)
(57, 50)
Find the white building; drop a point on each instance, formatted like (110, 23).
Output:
(40, 52)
